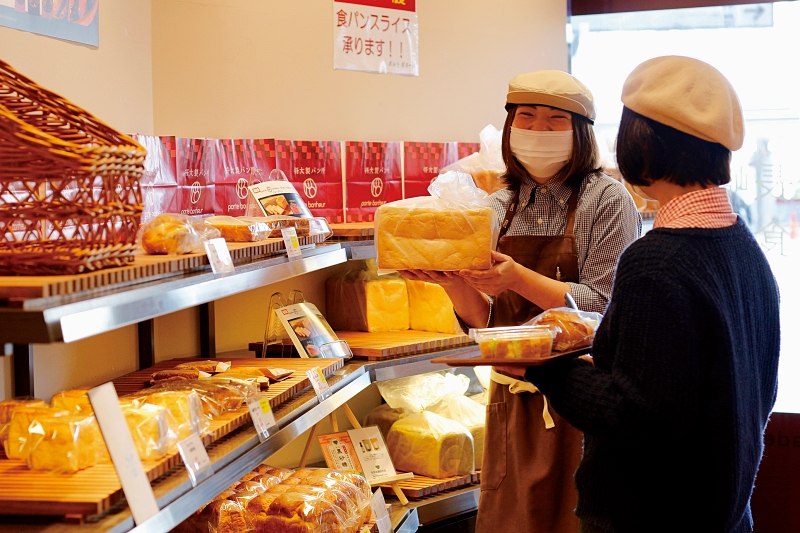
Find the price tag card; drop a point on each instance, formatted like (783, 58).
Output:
(122, 450)
(219, 256)
(319, 383)
(262, 415)
(381, 512)
(195, 458)
(291, 242)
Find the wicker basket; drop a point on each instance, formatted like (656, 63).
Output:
(69, 185)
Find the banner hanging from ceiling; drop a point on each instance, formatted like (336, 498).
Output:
(376, 36)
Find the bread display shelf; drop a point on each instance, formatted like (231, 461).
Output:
(420, 487)
(95, 490)
(381, 346)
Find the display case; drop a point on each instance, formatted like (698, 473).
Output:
(48, 318)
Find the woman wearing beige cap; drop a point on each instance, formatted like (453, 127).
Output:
(564, 224)
(686, 357)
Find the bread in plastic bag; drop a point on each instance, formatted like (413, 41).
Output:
(454, 228)
(487, 165)
(175, 233)
(572, 328)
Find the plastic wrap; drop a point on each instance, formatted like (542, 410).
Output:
(384, 416)
(487, 165)
(304, 226)
(150, 429)
(514, 342)
(185, 411)
(236, 229)
(454, 228)
(17, 444)
(467, 412)
(64, 443)
(572, 328)
(73, 400)
(174, 233)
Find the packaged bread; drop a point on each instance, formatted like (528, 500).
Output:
(572, 329)
(237, 229)
(304, 226)
(185, 411)
(64, 443)
(359, 299)
(176, 374)
(209, 366)
(223, 514)
(431, 445)
(17, 444)
(430, 309)
(150, 429)
(486, 166)
(7, 407)
(454, 228)
(75, 400)
(300, 509)
(384, 416)
(514, 342)
(174, 233)
(468, 413)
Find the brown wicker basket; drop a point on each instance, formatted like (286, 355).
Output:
(70, 200)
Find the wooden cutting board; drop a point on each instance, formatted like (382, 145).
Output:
(378, 346)
(95, 490)
(421, 487)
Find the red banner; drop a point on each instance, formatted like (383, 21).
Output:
(405, 5)
(159, 182)
(195, 171)
(315, 170)
(238, 164)
(422, 162)
(372, 179)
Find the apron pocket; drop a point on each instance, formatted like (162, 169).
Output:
(493, 470)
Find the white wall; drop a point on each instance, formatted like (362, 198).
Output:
(245, 68)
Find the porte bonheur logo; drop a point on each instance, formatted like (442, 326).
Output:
(194, 195)
(241, 188)
(376, 187)
(310, 188)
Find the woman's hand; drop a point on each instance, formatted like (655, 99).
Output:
(501, 276)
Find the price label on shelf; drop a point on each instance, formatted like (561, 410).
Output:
(219, 256)
(195, 458)
(291, 242)
(319, 383)
(262, 415)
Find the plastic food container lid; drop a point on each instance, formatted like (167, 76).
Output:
(510, 333)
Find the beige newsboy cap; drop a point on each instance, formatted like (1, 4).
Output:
(688, 95)
(552, 88)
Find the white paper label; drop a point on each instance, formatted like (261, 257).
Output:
(372, 453)
(291, 242)
(262, 415)
(319, 383)
(381, 513)
(219, 256)
(195, 458)
(123, 452)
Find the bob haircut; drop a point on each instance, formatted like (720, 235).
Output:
(649, 151)
(585, 158)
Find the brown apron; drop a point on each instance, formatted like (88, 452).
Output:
(527, 476)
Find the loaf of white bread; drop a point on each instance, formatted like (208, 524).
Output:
(431, 445)
(362, 300)
(416, 233)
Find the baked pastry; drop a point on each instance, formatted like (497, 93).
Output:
(185, 411)
(408, 236)
(530, 345)
(7, 407)
(221, 515)
(76, 400)
(174, 374)
(17, 444)
(149, 427)
(64, 444)
(168, 234)
(571, 328)
(235, 229)
(204, 366)
(431, 445)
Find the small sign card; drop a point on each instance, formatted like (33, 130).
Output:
(306, 327)
(219, 256)
(195, 458)
(319, 383)
(291, 243)
(337, 448)
(381, 512)
(364, 449)
(262, 415)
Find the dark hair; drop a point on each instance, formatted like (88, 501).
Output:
(648, 151)
(585, 158)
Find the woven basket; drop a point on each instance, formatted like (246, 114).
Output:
(69, 185)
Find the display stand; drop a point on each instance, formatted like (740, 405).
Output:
(392, 481)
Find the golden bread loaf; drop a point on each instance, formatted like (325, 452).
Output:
(409, 237)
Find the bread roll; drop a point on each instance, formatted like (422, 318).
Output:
(412, 237)
(571, 328)
(168, 234)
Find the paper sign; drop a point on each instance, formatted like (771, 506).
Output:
(291, 242)
(262, 415)
(338, 451)
(195, 458)
(218, 255)
(372, 454)
(122, 450)
(381, 512)
(279, 197)
(319, 383)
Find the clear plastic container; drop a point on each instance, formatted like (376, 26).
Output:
(514, 342)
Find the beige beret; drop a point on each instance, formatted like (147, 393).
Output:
(552, 88)
(688, 95)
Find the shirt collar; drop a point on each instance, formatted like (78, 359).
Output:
(557, 189)
(706, 208)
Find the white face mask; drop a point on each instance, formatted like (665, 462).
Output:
(542, 153)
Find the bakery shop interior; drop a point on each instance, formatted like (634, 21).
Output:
(229, 234)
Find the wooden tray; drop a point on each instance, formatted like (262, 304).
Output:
(394, 344)
(144, 268)
(95, 490)
(421, 487)
(353, 231)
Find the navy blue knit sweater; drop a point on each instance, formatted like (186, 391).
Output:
(685, 377)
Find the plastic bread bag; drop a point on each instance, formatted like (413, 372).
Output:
(361, 299)
(239, 229)
(184, 408)
(7, 408)
(174, 233)
(431, 445)
(150, 429)
(64, 444)
(572, 328)
(487, 165)
(416, 393)
(467, 412)
(454, 228)
(17, 442)
(303, 508)
(304, 226)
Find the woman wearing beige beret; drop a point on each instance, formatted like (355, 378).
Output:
(685, 360)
